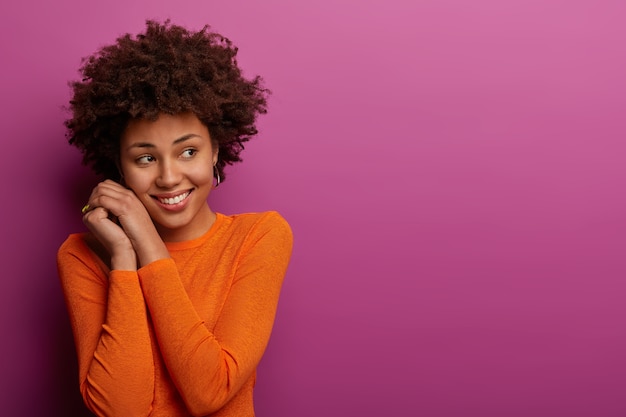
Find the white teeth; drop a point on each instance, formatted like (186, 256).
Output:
(174, 200)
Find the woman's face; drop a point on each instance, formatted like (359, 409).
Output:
(168, 163)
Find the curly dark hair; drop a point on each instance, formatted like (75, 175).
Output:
(168, 69)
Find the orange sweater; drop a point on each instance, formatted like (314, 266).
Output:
(180, 336)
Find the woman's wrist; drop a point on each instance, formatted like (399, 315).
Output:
(125, 260)
(156, 251)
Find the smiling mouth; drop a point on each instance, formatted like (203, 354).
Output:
(174, 200)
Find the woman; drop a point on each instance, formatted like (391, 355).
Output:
(171, 304)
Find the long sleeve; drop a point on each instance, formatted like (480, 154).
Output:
(209, 362)
(109, 320)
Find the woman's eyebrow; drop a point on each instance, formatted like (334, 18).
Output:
(185, 137)
(151, 145)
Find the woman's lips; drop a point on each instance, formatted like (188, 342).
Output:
(173, 202)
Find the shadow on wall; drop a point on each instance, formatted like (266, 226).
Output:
(66, 393)
(74, 185)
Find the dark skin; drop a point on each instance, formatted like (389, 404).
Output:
(115, 233)
(168, 168)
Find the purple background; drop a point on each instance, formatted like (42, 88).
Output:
(453, 172)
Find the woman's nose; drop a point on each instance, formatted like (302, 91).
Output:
(169, 174)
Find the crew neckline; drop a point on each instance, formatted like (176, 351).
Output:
(188, 244)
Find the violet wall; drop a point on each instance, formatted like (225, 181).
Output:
(453, 172)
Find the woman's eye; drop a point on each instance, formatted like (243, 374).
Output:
(188, 153)
(145, 159)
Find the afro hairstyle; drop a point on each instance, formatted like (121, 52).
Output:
(166, 70)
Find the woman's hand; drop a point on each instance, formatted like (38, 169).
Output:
(112, 237)
(121, 222)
